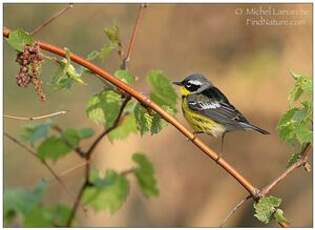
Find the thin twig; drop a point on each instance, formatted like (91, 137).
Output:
(266, 190)
(284, 225)
(234, 209)
(66, 172)
(133, 36)
(33, 153)
(76, 204)
(45, 116)
(53, 59)
(304, 158)
(52, 18)
(127, 171)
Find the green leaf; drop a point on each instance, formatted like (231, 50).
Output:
(125, 76)
(303, 85)
(295, 94)
(106, 50)
(66, 74)
(145, 175)
(286, 118)
(143, 119)
(37, 217)
(163, 92)
(86, 133)
(287, 125)
(20, 201)
(127, 126)
(53, 148)
(27, 205)
(60, 80)
(279, 216)
(158, 100)
(293, 159)
(130, 107)
(47, 217)
(157, 124)
(18, 39)
(298, 116)
(107, 193)
(61, 214)
(71, 137)
(34, 132)
(94, 176)
(70, 70)
(149, 123)
(112, 34)
(93, 55)
(304, 134)
(74, 75)
(103, 108)
(266, 207)
(295, 125)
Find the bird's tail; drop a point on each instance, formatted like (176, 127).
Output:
(253, 127)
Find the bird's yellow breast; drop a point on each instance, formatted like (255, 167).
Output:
(201, 123)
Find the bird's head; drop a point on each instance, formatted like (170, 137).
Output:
(194, 83)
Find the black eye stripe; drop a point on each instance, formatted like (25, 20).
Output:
(191, 87)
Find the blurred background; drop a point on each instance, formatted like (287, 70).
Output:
(249, 63)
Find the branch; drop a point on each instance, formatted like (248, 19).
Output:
(33, 153)
(76, 204)
(52, 18)
(284, 225)
(305, 153)
(36, 117)
(147, 102)
(87, 155)
(301, 162)
(133, 36)
(234, 209)
(127, 171)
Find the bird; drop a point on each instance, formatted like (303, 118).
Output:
(209, 111)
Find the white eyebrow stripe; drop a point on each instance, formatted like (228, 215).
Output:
(195, 82)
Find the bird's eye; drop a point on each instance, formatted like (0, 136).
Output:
(188, 85)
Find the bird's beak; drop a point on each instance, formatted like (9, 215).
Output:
(177, 83)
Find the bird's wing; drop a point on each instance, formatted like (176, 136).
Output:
(215, 93)
(220, 111)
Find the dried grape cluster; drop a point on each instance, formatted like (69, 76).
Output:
(30, 61)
